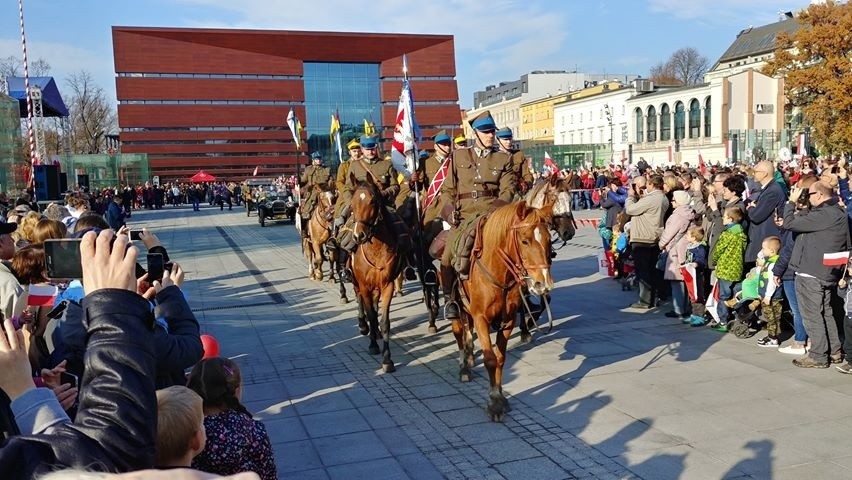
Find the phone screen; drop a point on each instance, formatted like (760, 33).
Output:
(136, 234)
(155, 266)
(62, 258)
(66, 377)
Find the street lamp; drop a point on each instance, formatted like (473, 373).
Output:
(609, 120)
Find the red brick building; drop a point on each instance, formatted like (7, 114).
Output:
(218, 99)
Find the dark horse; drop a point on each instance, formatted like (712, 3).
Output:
(515, 256)
(376, 263)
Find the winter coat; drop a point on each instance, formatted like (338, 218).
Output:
(115, 427)
(822, 229)
(114, 216)
(674, 241)
(614, 204)
(715, 226)
(646, 222)
(782, 269)
(761, 216)
(729, 253)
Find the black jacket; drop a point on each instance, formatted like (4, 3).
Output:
(782, 268)
(761, 218)
(178, 342)
(115, 428)
(820, 230)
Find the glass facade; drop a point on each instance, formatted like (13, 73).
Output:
(351, 89)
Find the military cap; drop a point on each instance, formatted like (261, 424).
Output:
(442, 137)
(483, 122)
(505, 133)
(353, 144)
(368, 141)
(316, 155)
(460, 140)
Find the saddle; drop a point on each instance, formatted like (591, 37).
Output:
(468, 245)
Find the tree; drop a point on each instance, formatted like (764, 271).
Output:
(684, 67)
(13, 66)
(815, 63)
(92, 117)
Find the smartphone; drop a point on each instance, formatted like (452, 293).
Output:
(136, 234)
(65, 377)
(62, 258)
(155, 266)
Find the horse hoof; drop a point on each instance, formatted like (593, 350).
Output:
(399, 293)
(374, 350)
(344, 300)
(432, 329)
(496, 411)
(497, 417)
(526, 338)
(464, 376)
(388, 368)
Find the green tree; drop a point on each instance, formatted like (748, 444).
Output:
(817, 69)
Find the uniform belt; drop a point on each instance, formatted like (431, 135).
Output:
(478, 194)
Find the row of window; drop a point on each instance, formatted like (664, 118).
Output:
(219, 154)
(201, 142)
(601, 114)
(399, 79)
(602, 137)
(649, 118)
(245, 76)
(208, 102)
(202, 129)
(427, 102)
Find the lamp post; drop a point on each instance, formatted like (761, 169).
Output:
(609, 120)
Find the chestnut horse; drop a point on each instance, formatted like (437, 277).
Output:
(515, 257)
(376, 263)
(319, 231)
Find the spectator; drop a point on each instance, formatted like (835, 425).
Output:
(180, 427)
(114, 214)
(821, 229)
(48, 230)
(12, 301)
(770, 295)
(24, 234)
(673, 243)
(696, 256)
(613, 204)
(235, 441)
(728, 255)
(764, 205)
(646, 206)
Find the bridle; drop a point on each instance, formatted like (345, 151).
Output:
(374, 225)
(515, 266)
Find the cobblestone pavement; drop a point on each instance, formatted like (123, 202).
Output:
(609, 393)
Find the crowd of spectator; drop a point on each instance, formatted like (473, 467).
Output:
(742, 247)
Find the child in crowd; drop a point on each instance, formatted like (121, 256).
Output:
(614, 251)
(180, 427)
(728, 256)
(769, 294)
(235, 442)
(696, 255)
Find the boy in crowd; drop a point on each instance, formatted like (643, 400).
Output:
(728, 256)
(769, 294)
(180, 427)
(696, 255)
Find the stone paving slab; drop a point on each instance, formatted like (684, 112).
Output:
(609, 393)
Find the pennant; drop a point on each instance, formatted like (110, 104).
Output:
(295, 127)
(255, 171)
(404, 146)
(369, 128)
(41, 295)
(837, 259)
(548, 163)
(335, 125)
(713, 301)
(690, 278)
(435, 184)
(702, 167)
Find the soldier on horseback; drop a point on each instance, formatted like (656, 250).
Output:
(523, 176)
(315, 174)
(479, 179)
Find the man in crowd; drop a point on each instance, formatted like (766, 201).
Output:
(646, 205)
(764, 206)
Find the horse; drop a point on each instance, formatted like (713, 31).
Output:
(319, 231)
(515, 255)
(376, 263)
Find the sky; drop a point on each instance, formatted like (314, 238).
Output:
(495, 40)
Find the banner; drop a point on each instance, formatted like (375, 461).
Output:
(295, 127)
(690, 279)
(404, 146)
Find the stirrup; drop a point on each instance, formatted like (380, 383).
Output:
(430, 277)
(409, 273)
(447, 305)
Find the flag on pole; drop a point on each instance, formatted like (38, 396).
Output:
(702, 167)
(295, 127)
(255, 171)
(41, 295)
(837, 259)
(369, 128)
(690, 278)
(404, 146)
(548, 163)
(713, 301)
(335, 125)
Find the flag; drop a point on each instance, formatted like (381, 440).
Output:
(548, 163)
(690, 278)
(295, 127)
(713, 302)
(369, 128)
(701, 165)
(837, 259)
(255, 171)
(404, 146)
(435, 185)
(335, 125)
(41, 295)
(802, 145)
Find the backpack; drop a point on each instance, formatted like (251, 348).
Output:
(621, 244)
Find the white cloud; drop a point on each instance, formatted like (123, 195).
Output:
(738, 12)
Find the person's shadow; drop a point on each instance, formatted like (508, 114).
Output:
(760, 465)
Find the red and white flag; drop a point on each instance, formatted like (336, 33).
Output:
(702, 167)
(255, 171)
(41, 295)
(713, 301)
(690, 278)
(404, 146)
(548, 163)
(837, 259)
(435, 184)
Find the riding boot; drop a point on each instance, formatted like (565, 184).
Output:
(345, 274)
(451, 307)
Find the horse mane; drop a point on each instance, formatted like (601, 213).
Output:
(499, 225)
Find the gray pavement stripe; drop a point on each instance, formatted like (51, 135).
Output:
(252, 269)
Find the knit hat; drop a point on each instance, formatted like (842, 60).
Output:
(681, 197)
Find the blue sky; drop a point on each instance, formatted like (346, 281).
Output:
(496, 40)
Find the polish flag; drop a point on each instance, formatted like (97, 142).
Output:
(837, 259)
(255, 171)
(690, 278)
(41, 295)
(548, 163)
(701, 165)
(713, 301)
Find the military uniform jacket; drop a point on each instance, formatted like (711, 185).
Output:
(473, 196)
(340, 183)
(314, 175)
(382, 172)
(521, 168)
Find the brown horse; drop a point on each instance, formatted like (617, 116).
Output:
(515, 256)
(376, 263)
(319, 231)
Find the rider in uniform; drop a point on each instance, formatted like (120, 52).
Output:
(424, 176)
(520, 166)
(342, 176)
(382, 173)
(315, 174)
(459, 142)
(479, 179)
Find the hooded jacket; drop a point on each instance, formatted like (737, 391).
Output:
(821, 229)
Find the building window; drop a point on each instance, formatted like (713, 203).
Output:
(665, 122)
(640, 131)
(623, 133)
(581, 117)
(680, 121)
(581, 138)
(707, 117)
(652, 124)
(694, 119)
(572, 138)
(601, 136)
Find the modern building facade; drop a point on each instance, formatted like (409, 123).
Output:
(218, 99)
(539, 83)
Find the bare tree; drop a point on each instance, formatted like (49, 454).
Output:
(13, 66)
(684, 67)
(92, 116)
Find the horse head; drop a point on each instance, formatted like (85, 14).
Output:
(532, 241)
(552, 197)
(366, 208)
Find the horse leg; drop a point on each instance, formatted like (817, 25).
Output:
(526, 337)
(495, 407)
(459, 331)
(432, 306)
(362, 316)
(397, 286)
(502, 344)
(372, 318)
(387, 363)
(317, 259)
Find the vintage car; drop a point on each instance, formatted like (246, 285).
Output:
(274, 206)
